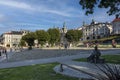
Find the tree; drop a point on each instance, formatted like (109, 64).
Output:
(54, 35)
(79, 33)
(22, 43)
(42, 37)
(72, 36)
(29, 38)
(112, 5)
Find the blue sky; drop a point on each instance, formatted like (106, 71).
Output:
(44, 14)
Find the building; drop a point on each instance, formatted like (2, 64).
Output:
(12, 38)
(81, 27)
(0, 40)
(116, 25)
(96, 30)
(24, 32)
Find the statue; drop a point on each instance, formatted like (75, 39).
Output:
(95, 56)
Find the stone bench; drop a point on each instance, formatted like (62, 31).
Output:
(94, 60)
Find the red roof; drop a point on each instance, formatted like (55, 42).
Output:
(116, 20)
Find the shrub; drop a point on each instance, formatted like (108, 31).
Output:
(111, 72)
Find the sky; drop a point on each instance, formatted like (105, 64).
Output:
(44, 14)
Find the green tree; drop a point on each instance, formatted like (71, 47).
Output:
(29, 38)
(22, 43)
(112, 5)
(72, 36)
(54, 35)
(42, 37)
(79, 33)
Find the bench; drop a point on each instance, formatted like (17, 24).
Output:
(94, 60)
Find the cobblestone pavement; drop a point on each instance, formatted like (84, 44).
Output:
(51, 53)
(37, 56)
(41, 54)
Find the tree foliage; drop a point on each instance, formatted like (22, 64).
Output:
(22, 43)
(29, 38)
(112, 5)
(54, 35)
(42, 37)
(79, 33)
(73, 35)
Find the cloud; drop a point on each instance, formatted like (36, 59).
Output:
(43, 14)
(16, 4)
(18, 26)
(58, 13)
(1, 15)
(42, 8)
(101, 16)
(2, 18)
(1, 26)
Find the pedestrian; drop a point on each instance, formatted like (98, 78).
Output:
(114, 43)
(10, 49)
(5, 52)
(0, 51)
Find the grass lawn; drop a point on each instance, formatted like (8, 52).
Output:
(34, 72)
(108, 58)
(44, 71)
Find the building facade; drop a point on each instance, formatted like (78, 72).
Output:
(116, 25)
(96, 30)
(12, 39)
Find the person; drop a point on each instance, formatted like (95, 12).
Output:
(10, 49)
(87, 44)
(0, 52)
(65, 46)
(114, 43)
(95, 55)
(5, 52)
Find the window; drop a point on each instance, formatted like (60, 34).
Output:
(93, 37)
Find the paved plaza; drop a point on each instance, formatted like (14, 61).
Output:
(52, 53)
(41, 54)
